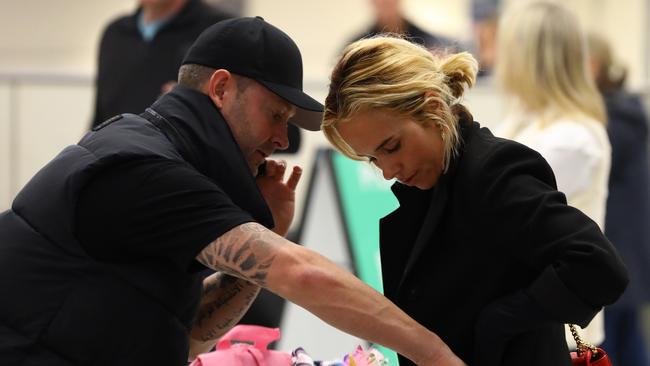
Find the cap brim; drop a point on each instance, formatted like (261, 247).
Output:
(309, 113)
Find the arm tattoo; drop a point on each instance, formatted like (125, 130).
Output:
(217, 329)
(242, 252)
(225, 300)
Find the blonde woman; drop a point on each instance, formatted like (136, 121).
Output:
(557, 109)
(483, 250)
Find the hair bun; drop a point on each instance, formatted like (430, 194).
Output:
(460, 70)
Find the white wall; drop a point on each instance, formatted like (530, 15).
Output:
(54, 35)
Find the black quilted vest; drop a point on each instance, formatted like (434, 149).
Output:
(59, 306)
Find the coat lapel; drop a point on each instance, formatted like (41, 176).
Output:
(438, 203)
(428, 227)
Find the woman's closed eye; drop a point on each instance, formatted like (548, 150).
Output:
(392, 147)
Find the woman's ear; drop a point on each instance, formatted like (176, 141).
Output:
(219, 86)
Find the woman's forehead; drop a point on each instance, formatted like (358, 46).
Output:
(365, 131)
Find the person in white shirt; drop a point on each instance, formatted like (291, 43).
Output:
(556, 108)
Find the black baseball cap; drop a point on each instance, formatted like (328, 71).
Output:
(253, 48)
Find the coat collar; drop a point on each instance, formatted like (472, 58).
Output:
(439, 196)
(437, 203)
(203, 138)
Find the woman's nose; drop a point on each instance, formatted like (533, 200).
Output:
(388, 168)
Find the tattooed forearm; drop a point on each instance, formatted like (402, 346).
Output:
(243, 252)
(225, 300)
(243, 256)
(207, 309)
(220, 327)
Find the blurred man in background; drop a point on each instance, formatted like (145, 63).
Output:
(388, 17)
(139, 54)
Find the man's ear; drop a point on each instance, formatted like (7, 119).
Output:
(219, 86)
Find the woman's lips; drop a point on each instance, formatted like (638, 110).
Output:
(409, 180)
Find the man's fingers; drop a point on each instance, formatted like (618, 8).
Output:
(271, 167)
(282, 167)
(294, 178)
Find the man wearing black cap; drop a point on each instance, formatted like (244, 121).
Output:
(101, 251)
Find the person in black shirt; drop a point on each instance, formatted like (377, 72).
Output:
(139, 54)
(101, 252)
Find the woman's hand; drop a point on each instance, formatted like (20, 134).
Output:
(443, 357)
(280, 196)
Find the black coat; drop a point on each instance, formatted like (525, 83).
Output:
(493, 260)
(628, 203)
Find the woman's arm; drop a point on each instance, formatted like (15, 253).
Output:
(577, 269)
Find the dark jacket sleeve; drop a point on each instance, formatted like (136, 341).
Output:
(576, 270)
(579, 269)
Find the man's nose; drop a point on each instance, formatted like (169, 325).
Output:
(281, 138)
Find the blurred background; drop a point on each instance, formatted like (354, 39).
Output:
(48, 59)
(49, 53)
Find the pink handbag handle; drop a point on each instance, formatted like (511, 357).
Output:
(261, 336)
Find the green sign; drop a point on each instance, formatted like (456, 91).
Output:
(365, 197)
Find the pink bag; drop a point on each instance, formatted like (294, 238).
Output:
(243, 354)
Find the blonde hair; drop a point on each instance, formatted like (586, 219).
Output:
(542, 61)
(391, 73)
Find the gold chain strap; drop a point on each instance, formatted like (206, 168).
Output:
(582, 346)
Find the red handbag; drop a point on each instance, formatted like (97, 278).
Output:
(587, 354)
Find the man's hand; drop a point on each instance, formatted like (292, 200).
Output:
(280, 195)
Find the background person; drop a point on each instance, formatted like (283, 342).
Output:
(139, 54)
(628, 205)
(556, 108)
(388, 17)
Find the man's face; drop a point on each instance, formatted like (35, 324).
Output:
(258, 120)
